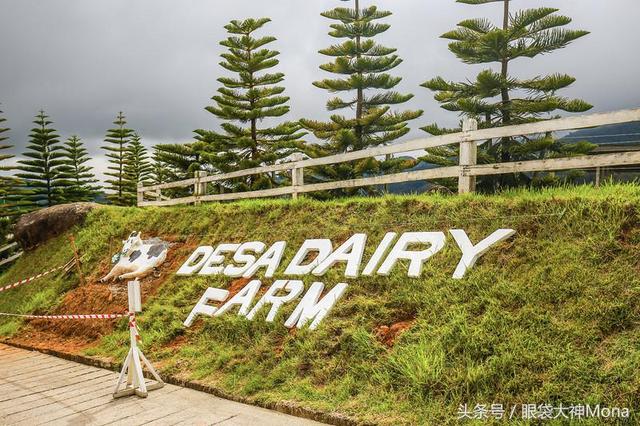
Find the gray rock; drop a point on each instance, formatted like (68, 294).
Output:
(39, 226)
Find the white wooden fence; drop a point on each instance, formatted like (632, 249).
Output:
(466, 171)
(12, 254)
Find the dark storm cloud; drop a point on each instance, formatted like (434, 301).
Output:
(83, 61)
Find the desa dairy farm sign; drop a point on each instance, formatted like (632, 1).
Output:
(253, 257)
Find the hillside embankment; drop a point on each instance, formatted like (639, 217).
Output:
(550, 315)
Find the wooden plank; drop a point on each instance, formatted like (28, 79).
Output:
(7, 247)
(435, 173)
(468, 156)
(560, 124)
(28, 364)
(176, 184)
(85, 398)
(166, 203)
(36, 381)
(273, 192)
(87, 392)
(22, 366)
(56, 404)
(11, 259)
(91, 386)
(581, 162)
(568, 123)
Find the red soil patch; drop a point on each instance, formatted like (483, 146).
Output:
(73, 336)
(50, 340)
(236, 286)
(88, 299)
(387, 335)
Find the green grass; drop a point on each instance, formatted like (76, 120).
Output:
(551, 316)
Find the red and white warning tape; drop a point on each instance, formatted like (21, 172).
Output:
(35, 277)
(133, 325)
(87, 316)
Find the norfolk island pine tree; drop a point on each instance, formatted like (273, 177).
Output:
(12, 190)
(116, 142)
(160, 170)
(364, 65)
(176, 161)
(136, 168)
(77, 176)
(41, 168)
(243, 103)
(496, 98)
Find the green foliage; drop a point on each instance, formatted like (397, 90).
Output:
(174, 162)
(136, 168)
(180, 160)
(41, 169)
(77, 177)
(160, 172)
(242, 103)
(116, 143)
(497, 98)
(363, 66)
(12, 189)
(550, 316)
(3, 145)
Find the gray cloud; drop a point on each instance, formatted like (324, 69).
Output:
(157, 60)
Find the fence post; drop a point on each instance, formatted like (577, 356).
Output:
(199, 188)
(297, 175)
(468, 157)
(139, 194)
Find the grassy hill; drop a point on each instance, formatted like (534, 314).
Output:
(550, 316)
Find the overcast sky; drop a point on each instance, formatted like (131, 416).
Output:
(157, 60)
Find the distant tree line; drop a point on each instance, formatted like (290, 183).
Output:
(366, 112)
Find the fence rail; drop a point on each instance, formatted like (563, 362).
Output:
(9, 249)
(466, 171)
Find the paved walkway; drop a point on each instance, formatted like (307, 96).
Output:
(41, 389)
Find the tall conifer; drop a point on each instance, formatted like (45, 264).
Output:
(12, 189)
(160, 171)
(136, 169)
(78, 178)
(116, 143)
(41, 168)
(363, 66)
(498, 98)
(180, 160)
(243, 102)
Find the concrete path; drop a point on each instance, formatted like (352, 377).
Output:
(41, 389)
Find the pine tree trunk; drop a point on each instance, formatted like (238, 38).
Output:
(120, 160)
(506, 115)
(47, 171)
(360, 99)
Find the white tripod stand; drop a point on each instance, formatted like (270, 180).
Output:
(132, 367)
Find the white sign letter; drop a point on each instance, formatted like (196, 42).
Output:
(416, 258)
(215, 294)
(271, 259)
(351, 251)
(310, 308)
(189, 268)
(380, 251)
(217, 258)
(243, 298)
(323, 247)
(471, 253)
(294, 287)
(246, 260)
